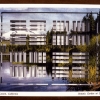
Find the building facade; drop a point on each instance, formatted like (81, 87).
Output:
(21, 71)
(60, 26)
(16, 25)
(38, 25)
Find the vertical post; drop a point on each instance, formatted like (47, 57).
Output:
(74, 25)
(74, 40)
(20, 71)
(67, 40)
(20, 57)
(33, 71)
(78, 26)
(78, 40)
(83, 26)
(16, 71)
(30, 57)
(34, 57)
(24, 57)
(12, 71)
(30, 71)
(15, 56)
(83, 38)
(24, 71)
(10, 56)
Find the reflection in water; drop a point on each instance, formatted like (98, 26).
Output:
(30, 71)
(7, 71)
(41, 71)
(27, 71)
(39, 58)
(18, 73)
(60, 72)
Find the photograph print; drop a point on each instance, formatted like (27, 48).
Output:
(47, 49)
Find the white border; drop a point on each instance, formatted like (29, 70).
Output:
(81, 93)
(49, 6)
(56, 94)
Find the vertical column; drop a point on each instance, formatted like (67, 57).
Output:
(33, 71)
(74, 39)
(20, 68)
(10, 56)
(83, 39)
(83, 26)
(24, 71)
(37, 71)
(54, 40)
(11, 71)
(67, 40)
(44, 71)
(58, 40)
(36, 53)
(78, 26)
(54, 25)
(30, 57)
(16, 71)
(78, 40)
(67, 26)
(15, 56)
(60, 26)
(34, 57)
(57, 72)
(40, 56)
(24, 57)
(40, 72)
(53, 57)
(30, 71)
(20, 57)
(44, 57)
(74, 25)
(62, 40)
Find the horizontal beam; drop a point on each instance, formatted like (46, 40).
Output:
(55, 12)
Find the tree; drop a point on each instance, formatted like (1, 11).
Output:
(27, 42)
(92, 22)
(90, 18)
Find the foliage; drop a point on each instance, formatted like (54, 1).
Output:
(61, 64)
(90, 18)
(70, 74)
(92, 73)
(82, 48)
